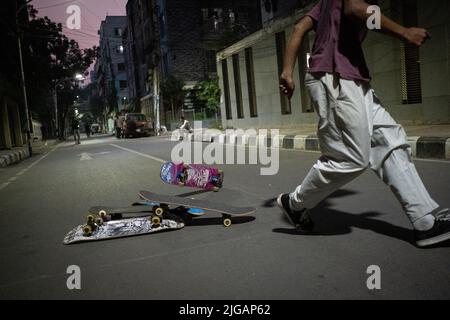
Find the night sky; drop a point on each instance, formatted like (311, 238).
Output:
(92, 13)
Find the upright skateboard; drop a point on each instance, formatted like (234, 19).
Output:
(192, 207)
(192, 175)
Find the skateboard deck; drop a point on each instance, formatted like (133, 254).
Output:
(115, 213)
(121, 228)
(192, 175)
(144, 208)
(196, 207)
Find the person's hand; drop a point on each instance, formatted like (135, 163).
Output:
(416, 36)
(287, 84)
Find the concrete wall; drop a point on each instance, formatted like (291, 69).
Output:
(263, 44)
(383, 58)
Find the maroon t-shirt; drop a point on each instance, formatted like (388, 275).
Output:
(337, 46)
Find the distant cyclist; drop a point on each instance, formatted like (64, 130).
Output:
(185, 125)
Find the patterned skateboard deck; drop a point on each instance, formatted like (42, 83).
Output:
(121, 228)
(192, 175)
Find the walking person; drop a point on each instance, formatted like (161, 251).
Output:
(87, 129)
(119, 125)
(355, 131)
(76, 130)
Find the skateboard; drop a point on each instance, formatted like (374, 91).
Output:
(116, 213)
(119, 228)
(144, 208)
(193, 208)
(192, 175)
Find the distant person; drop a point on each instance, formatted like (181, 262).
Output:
(185, 125)
(44, 133)
(76, 130)
(355, 130)
(119, 125)
(87, 128)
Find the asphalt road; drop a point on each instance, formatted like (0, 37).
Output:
(42, 198)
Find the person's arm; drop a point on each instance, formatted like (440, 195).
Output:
(287, 84)
(358, 9)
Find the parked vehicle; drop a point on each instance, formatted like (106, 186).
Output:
(95, 128)
(136, 124)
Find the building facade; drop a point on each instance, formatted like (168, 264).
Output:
(414, 84)
(111, 77)
(180, 38)
(12, 115)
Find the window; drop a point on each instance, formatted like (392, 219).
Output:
(226, 89)
(280, 38)
(121, 67)
(119, 49)
(303, 59)
(118, 32)
(410, 58)
(251, 82)
(237, 86)
(123, 84)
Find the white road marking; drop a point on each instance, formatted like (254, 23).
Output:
(88, 156)
(10, 180)
(139, 153)
(4, 185)
(41, 158)
(85, 156)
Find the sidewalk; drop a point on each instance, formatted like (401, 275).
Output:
(15, 155)
(426, 141)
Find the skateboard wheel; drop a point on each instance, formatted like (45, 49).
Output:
(98, 221)
(102, 214)
(159, 211)
(181, 184)
(227, 222)
(87, 230)
(220, 171)
(90, 219)
(155, 220)
(216, 189)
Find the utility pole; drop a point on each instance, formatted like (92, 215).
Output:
(157, 68)
(55, 99)
(22, 74)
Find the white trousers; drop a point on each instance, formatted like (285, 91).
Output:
(355, 132)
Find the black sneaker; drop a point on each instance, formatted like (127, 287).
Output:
(439, 233)
(299, 219)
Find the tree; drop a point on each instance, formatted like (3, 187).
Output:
(52, 61)
(208, 92)
(173, 93)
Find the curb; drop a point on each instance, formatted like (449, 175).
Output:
(13, 157)
(21, 153)
(421, 147)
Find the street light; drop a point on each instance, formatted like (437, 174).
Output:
(79, 77)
